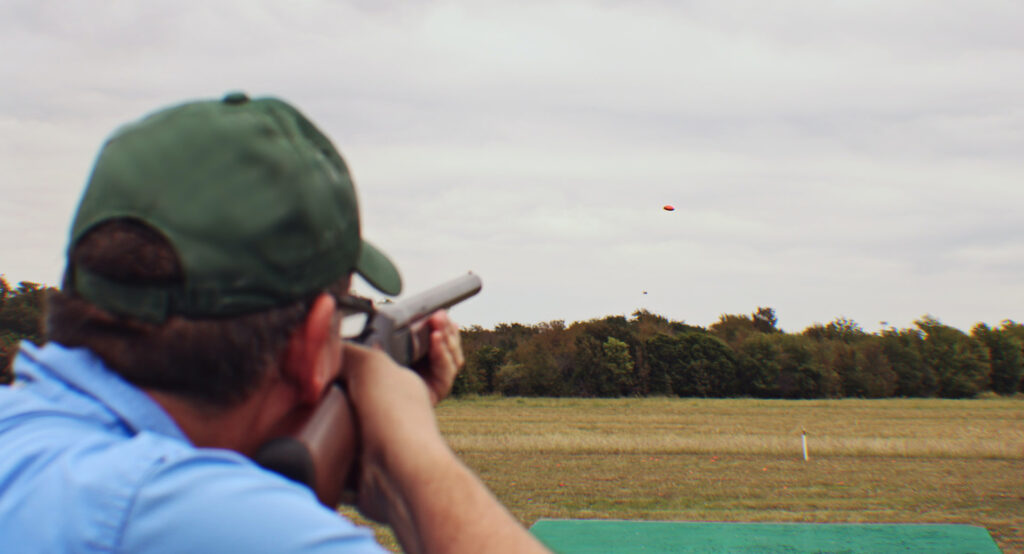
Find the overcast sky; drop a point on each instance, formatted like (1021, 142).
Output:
(861, 159)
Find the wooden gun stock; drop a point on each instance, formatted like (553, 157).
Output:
(323, 453)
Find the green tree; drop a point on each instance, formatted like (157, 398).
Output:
(588, 377)
(801, 375)
(658, 350)
(841, 329)
(903, 348)
(786, 366)
(477, 377)
(1016, 331)
(740, 355)
(488, 359)
(604, 369)
(21, 315)
(960, 362)
(855, 356)
(759, 367)
(862, 367)
(486, 351)
(733, 329)
(617, 363)
(691, 364)
(539, 364)
(711, 367)
(593, 372)
(764, 320)
(507, 336)
(875, 376)
(534, 377)
(644, 327)
(1006, 358)
(513, 379)
(478, 345)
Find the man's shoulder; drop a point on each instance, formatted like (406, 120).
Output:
(208, 500)
(74, 477)
(69, 484)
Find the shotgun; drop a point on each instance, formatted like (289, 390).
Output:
(323, 453)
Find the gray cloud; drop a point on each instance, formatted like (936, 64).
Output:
(825, 159)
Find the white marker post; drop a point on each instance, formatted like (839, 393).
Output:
(803, 439)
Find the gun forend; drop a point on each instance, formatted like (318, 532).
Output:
(397, 327)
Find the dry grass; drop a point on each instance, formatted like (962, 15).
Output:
(775, 446)
(894, 460)
(930, 428)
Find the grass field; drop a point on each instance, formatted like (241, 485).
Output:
(881, 461)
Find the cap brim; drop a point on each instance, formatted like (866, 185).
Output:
(378, 270)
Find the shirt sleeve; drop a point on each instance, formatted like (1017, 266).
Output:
(216, 501)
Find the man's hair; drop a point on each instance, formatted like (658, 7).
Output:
(215, 361)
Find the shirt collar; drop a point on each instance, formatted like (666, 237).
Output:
(80, 369)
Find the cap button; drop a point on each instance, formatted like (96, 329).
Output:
(235, 98)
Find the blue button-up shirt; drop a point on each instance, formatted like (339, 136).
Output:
(89, 463)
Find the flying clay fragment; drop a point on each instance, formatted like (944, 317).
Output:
(669, 208)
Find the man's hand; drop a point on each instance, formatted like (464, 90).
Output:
(395, 417)
(445, 358)
(407, 476)
(393, 406)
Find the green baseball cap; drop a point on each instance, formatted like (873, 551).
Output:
(255, 200)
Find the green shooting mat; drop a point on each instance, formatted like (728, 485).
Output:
(650, 537)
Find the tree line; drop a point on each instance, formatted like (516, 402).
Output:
(21, 316)
(646, 354)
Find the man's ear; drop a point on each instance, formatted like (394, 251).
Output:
(313, 354)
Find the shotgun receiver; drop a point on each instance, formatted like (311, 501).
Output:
(397, 327)
(323, 453)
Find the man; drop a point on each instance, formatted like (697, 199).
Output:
(208, 267)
